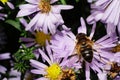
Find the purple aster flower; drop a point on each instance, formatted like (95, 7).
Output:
(4, 56)
(66, 44)
(8, 3)
(105, 10)
(55, 65)
(47, 16)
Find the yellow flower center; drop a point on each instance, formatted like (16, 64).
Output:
(45, 6)
(41, 38)
(53, 72)
(4, 1)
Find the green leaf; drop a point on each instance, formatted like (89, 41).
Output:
(77, 0)
(14, 23)
(63, 1)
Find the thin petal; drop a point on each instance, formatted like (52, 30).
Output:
(33, 1)
(82, 29)
(10, 5)
(38, 64)
(45, 56)
(4, 56)
(92, 31)
(53, 1)
(33, 22)
(35, 71)
(2, 69)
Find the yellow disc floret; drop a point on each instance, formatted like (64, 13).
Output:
(45, 6)
(53, 72)
(41, 38)
(4, 1)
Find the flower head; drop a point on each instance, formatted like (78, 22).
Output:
(100, 49)
(37, 38)
(107, 11)
(47, 16)
(54, 68)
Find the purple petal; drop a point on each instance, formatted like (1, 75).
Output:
(49, 51)
(33, 1)
(99, 2)
(25, 10)
(2, 69)
(109, 10)
(27, 39)
(23, 21)
(10, 5)
(36, 71)
(4, 56)
(53, 1)
(45, 56)
(41, 20)
(33, 21)
(65, 7)
(102, 76)
(87, 71)
(37, 64)
(92, 31)
(82, 29)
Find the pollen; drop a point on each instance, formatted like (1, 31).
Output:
(53, 72)
(67, 74)
(41, 38)
(4, 1)
(116, 49)
(45, 6)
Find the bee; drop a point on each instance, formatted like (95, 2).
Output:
(114, 71)
(83, 47)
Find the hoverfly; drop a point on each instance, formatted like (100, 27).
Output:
(83, 47)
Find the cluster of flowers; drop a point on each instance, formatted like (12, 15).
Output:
(52, 51)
